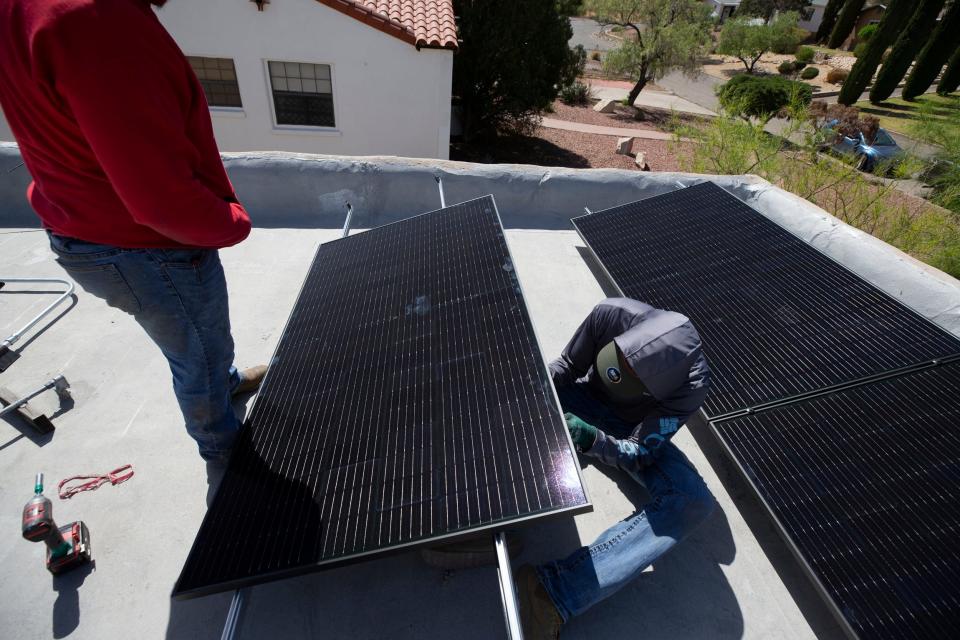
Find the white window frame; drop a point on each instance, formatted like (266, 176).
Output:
(229, 112)
(300, 129)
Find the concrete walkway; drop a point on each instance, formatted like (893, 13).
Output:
(649, 98)
(566, 125)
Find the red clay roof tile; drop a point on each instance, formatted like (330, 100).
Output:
(422, 23)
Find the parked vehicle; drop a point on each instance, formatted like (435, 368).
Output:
(883, 150)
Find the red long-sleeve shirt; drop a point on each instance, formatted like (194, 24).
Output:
(113, 126)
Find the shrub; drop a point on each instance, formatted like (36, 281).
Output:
(837, 76)
(786, 67)
(860, 49)
(595, 55)
(789, 42)
(797, 65)
(747, 41)
(810, 73)
(576, 93)
(805, 54)
(748, 96)
(866, 33)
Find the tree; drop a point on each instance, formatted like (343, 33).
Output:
(749, 96)
(905, 48)
(663, 35)
(845, 22)
(511, 63)
(896, 15)
(931, 59)
(748, 42)
(950, 79)
(767, 8)
(829, 19)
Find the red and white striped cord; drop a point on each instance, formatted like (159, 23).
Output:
(118, 475)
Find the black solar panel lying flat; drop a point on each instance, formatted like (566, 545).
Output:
(866, 482)
(408, 401)
(777, 317)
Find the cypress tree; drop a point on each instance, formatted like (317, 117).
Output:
(845, 22)
(896, 15)
(950, 79)
(906, 47)
(931, 59)
(829, 19)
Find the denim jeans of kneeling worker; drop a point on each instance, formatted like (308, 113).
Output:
(179, 297)
(679, 502)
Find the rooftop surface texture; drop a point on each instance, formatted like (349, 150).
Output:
(733, 578)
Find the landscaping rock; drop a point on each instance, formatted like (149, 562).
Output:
(641, 162)
(606, 105)
(625, 146)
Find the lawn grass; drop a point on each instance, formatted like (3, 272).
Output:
(896, 114)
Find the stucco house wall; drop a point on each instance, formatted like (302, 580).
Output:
(389, 98)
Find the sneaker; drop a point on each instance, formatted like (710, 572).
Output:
(250, 379)
(467, 554)
(538, 615)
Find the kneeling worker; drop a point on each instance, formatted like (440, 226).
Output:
(628, 380)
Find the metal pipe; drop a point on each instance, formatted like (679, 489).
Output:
(59, 383)
(588, 211)
(508, 594)
(346, 223)
(232, 625)
(11, 339)
(443, 200)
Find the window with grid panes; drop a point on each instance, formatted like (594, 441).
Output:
(302, 93)
(218, 77)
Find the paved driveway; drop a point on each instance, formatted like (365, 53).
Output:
(587, 33)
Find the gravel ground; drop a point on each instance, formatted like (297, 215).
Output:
(623, 116)
(557, 148)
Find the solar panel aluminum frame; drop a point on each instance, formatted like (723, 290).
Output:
(492, 528)
(781, 530)
(799, 396)
(711, 423)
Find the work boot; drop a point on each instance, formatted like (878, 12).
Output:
(538, 615)
(250, 379)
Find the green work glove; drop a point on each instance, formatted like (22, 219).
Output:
(582, 433)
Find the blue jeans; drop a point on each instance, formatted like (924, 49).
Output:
(179, 297)
(679, 502)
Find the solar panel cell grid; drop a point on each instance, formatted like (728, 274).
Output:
(866, 482)
(777, 317)
(408, 400)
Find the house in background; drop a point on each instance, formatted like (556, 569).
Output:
(871, 13)
(723, 9)
(321, 76)
(810, 17)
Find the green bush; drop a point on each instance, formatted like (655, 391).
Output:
(837, 76)
(860, 49)
(866, 33)
(810, 73)
(576, 93)
(749, 96)
(786, 67)
(790, 41)
(805, 54)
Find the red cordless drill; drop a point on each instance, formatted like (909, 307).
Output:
(68, 546)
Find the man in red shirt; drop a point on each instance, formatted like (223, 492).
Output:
(114, 128)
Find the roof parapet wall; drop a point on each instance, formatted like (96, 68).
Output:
(289, 190)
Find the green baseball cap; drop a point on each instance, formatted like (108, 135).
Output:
(619, 381)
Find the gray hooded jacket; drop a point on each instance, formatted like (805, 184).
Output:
(663, 349)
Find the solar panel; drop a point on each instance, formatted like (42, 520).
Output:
(407, 403)
(777, 317)
(866, 483)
